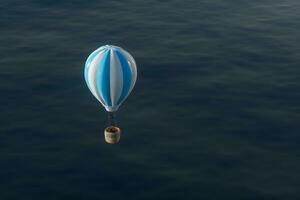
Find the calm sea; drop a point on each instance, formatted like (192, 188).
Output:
(215, 113)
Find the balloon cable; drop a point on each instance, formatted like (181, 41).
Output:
(112, 119)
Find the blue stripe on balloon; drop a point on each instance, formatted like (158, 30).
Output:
(103, 78)
(127, 79)
(88, 62)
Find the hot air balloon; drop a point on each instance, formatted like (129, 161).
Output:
(110, 73)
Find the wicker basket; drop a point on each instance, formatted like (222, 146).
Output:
(112, 134)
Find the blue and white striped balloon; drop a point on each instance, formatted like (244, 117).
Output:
(110, 73)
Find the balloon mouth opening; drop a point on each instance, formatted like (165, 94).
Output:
(111, 108)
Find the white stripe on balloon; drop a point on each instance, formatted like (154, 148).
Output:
(116, 78)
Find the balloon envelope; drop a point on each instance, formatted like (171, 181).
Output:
(110, 73)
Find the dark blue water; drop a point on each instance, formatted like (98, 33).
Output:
(214, 115)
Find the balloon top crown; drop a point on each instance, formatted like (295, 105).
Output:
(111, 47)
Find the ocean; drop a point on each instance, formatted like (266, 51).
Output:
(214, 114)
